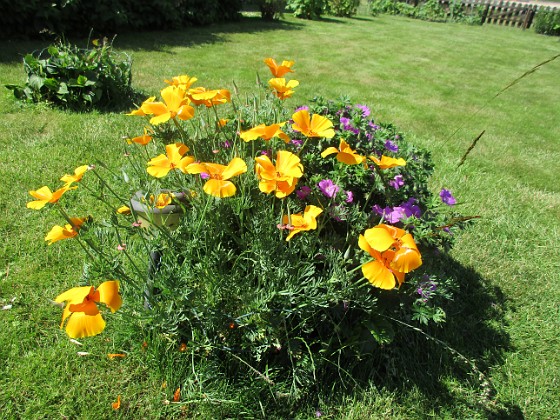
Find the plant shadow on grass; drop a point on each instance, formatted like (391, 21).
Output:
(469, 343)
(441, 371)
(12, 52)
(204, 35)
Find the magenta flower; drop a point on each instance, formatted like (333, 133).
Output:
(397, 182)
(392, 147)
(447, 197)
(303, 192)
(328, 188)
(398, 213)
(349, 196)
(365, 110)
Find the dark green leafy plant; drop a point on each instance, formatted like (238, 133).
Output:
(307, 9)
(79, 79)
(344, 8)
(271, 9)
(547, 22)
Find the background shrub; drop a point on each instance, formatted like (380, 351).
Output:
(271, 9)
(343, 7)
(307, 9)
(547, 22)
(77, 17)
(78, 79)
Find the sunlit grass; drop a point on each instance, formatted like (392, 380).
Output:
(432, 80)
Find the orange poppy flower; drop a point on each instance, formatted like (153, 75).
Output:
(183, 81)
(387, 162)
(140, 112)
(394, 252)
(174, 159)
(280, 178)
(218, 183)
(282, 89)
(209, 98)
(279, 70)
(44, 195)
(344, 154)
(76, 177)
(58, 233)
(143, 139)
(265, 132)
(312, 126)
(301, 222)
(82, 312)
(175, 105)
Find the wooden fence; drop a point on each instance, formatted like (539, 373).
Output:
(503, 13)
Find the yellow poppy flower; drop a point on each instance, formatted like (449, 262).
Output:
(265, 132)
(282, 89)
(218, 183)
(344, 154)
(395, 253)
(143, 139)
(315, 126)
(44, 195)
(280, 178)
(124, 210)
(162, 164)
(301, 222)
(209, 98)
(76, 177)
(183, 81)
(387, 162)
(82, 312)
(279, 70)
(58, 233)
(175, 105)
(140, 112)
(162, 200)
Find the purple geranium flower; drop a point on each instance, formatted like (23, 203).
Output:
(346, 125)
(303, 192)
(447, 197)
(398, 213)
(349, 196)
(365, 110)
(397, 182)
(392, 147)
(328, 188)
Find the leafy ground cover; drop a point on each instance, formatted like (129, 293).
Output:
(500, 356)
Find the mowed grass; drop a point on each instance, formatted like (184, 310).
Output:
(435, 82)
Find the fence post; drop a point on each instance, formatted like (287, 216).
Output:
(529, 17)
(484, 14)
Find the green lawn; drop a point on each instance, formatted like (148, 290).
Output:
(432, 80)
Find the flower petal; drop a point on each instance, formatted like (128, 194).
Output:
(378, 275)
(109, 294)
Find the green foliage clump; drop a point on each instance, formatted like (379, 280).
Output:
(307, 9)
(246, 279)
(547, 22)
(271, 9)
(79, 79)
(430, 10)
(37, 17)
(314, 9)
(345, 8)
